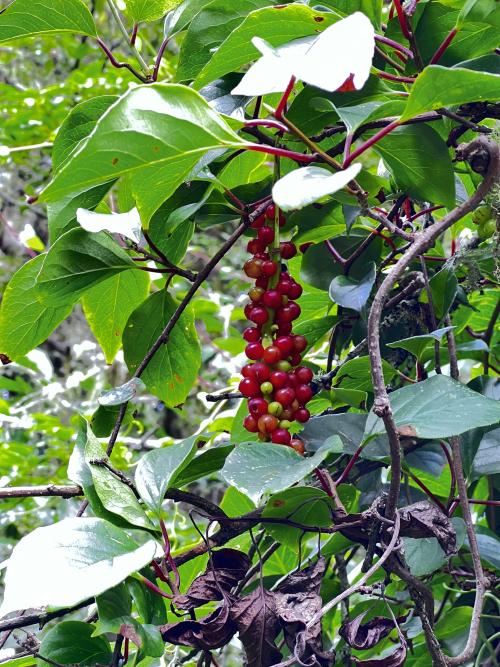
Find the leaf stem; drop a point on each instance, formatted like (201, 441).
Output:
(443, 46)
(280, 109)
(370, 142)
(116, 15)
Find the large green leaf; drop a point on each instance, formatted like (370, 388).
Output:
(487, 458)
(149, 10)
(156, 133)
(211, 25)
(157, 469)
(24, 321)
(417, 344)
(76, 262)
(419, 162)
(277, 25)
(78, 557)
(438, 87)
(25, 18)
(443, 286)
(372, 8)
(116, 496)
(437, 408)
(72, 643)
(425, 555)
(351, 292)
(62, 214)
(256, 469)
(108, 306)
(172, 372)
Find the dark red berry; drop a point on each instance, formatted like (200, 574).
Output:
(285, 314)
(252, 335)
(304, 374)
(250, 423)
(268, 423)
(260, 371)
(304, 393)
(299, 343)
(248, 309)
(271, 355)
(285, 344)
(271, 212)
(259, 315)
(266, 235)
(253, 268)
(284, 285)
(295, 291)
(257, 407)
(284, 396)
(255, 246)
(304, 246)
(285, 329)
(278, 379)
(269, 268)
(272, 299)
(302, 415)
(293, 309)
(263, 280)
(295, 358)
(249, 387)
(298, 445)
(293, 380)
(258, 222)
(282, 220)
(281, 437)
(254, 351)
(288, 250)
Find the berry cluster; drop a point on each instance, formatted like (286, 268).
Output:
(277, 386)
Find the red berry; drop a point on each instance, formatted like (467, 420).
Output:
(295, 291)
(256, 294)
(259, 315)
(268, 423)
(281, 437)
(254, 351)
(304, 374)
(269, 268)
(271, 212)
(250, 423)
(298, 445)
(263, 280)
(257, 407)
(304, 246)
(288, 250)
(272, 355)
(254, 246)
(282, 220)
(253, 268)
(278, 379)
(304, 393)
(285, 329)
(252, 335)
(286, 314)
(293, 309)
(299, 343)
(248, 309)
(260, 371)
(295, 359)
(302, 415)
(284, 396)
(263, 256)
(258, 222)
(266, 235)
(285, 344)
(272, 299)
(293, 380)
(284, 285)
(249, 387)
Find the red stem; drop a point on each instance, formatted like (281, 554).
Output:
(118, 64)
(159, 58)
(424, 211)
(133, 36)
(168, 553)
(126, 644)
(427, 491)
(395, 45)
(393, 77)
(280, 109)
(155, 588)
(350, 465)
(282, 152)
(373, 140)
(443, 46)
(336, 255)
(324, 484)
(267, 123)
(402, 19)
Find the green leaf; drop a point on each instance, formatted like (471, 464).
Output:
(156, 133)
(438, 87)
(305, 505)
(173, 370)
(62, 214)
(79, 558)
(175, 244)
(372, 8)
(352, 397)
(443, 286)
(424, 555)
(277, 25)
(24, 321)
(76, 262)
(25, 18)
(455, 622)
(419, 162)
(417, 344)
(487, 459)
(210, 27)
(149, 10)
(71, 643)
(114, 608)
(489, 546)
(351, 293)
(355, 374)
(204, 465)
(256, 469)
(157, 470)
(314, 330)
(437, 408)
(114, 494)
(108, 306)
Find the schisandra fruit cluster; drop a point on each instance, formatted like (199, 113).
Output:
(277, 387)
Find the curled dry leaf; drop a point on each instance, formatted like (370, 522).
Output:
(224, 570)
(395, 659)
(363, 636)
(425, 520)
(214, 631)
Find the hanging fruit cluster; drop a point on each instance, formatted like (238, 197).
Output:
(276, 385)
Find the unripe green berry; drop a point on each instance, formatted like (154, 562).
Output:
(283, 366)
(275, 408)
(284, 423)
(266, 388)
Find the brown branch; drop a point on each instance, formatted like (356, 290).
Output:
(487, 153)
(41, 618)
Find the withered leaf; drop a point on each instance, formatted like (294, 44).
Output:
(425, 520)
(362, 636)
(258, 626)
(213, 631)
(297, 601)
(224, 570)
(395, 659)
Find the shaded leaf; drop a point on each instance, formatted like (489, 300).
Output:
(417, 344)
(214, 631)
(72, 643)
(352, 293)
(487, 458)
(394, 659)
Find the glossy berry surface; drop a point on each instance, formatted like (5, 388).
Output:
(249, 387)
